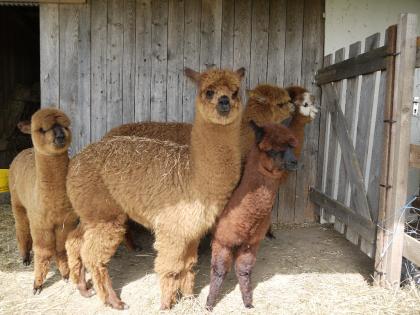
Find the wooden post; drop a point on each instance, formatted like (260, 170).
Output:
(391, 230)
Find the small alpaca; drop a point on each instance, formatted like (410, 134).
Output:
(246, 217)
(176, 191)
(42, 211)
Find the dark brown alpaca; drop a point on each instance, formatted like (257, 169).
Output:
(246, 218)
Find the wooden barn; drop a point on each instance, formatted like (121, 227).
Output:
(110, 62)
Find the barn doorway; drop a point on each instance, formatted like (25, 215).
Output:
(19, 76)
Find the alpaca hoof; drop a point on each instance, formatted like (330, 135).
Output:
(118, 305)
(209, 307)
(26, 260)
(37, 289)
(65, 278)
(270, 235)
(249, 305)
(87, 293)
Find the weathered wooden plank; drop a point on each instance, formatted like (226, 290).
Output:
(415, 155)
(368, 62)
(75, 71)
(418, 53)
(364, 122)
(351, 163)
(242, 41)
(312, 56)
(381, 241)
(143, 59)
(277, 42)
(211, 33)
(114, 64)
(41, 2)
(322, 143)
(228, 24)
(129, 61)
(400, 147)
(191, 55)
(293, 72)
(259, 42)
(345, 214)
(411, 249)
(332, 179)
(175, 60)
(49, 54)
(98, 76)
(159, 60)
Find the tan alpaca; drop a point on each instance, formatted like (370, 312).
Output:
(40, 205)
(176, 191)
(266, 104)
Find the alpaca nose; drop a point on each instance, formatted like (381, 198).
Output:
(223, 106)
(291, 163)
(59, 136)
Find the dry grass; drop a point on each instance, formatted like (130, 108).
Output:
(306, 270)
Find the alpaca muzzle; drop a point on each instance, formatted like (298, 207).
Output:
(290, 161)
(223, 106)
(59, 136)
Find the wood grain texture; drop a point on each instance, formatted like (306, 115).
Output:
(211, 34)
(192, 26)
(293, 72)
(114, 65)
(259, 42)
(159, 60)
(98, 117)
(227, 36)
(175, 77)
(312, 57)
(129, 61)
(143, 59)
(411, 249)
(49, 46)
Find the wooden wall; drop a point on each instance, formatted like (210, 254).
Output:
(115, 61)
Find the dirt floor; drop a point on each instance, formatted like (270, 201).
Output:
(305, 270)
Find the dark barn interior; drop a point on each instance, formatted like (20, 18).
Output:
(19, 75)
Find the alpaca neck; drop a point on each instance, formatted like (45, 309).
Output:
(215, 157)
(51, 170)
(297, 126)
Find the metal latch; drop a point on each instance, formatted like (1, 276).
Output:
(416, 105)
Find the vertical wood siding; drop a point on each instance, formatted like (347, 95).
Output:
(110, 62)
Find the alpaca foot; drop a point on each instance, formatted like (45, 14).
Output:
(26, 259)
(209, 307)
(86, 289)
(37, 288)
(65, 278)
(116, 303)
(270, 235)
(249, 305)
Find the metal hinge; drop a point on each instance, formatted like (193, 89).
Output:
(416, 105)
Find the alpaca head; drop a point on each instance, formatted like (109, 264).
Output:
(275, 145)
(50, 131)
(303, 100)
(218, 99)
(271, 99)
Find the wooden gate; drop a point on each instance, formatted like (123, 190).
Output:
(365, 142)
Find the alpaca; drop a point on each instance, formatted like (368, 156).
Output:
(246, 217)
(42, 211)
(266, 104)
(176, 191)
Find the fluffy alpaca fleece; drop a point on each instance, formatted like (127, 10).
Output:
(176, 191)
(40, 205)
(246, 218)
(266, 104)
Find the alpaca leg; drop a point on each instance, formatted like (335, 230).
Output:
(244, 263)
(169, 264)
(77, 270)
(44, 250)
(61, 233)
(188, 276)
(23, 232)
(99, 245)
(221, 261)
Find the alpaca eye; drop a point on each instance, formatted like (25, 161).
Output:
(235, 94)
(41, 130)
(209, 94)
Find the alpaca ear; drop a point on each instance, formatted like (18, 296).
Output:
(259, 131)
(241, 72)
(24, 126)
(193, 75)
